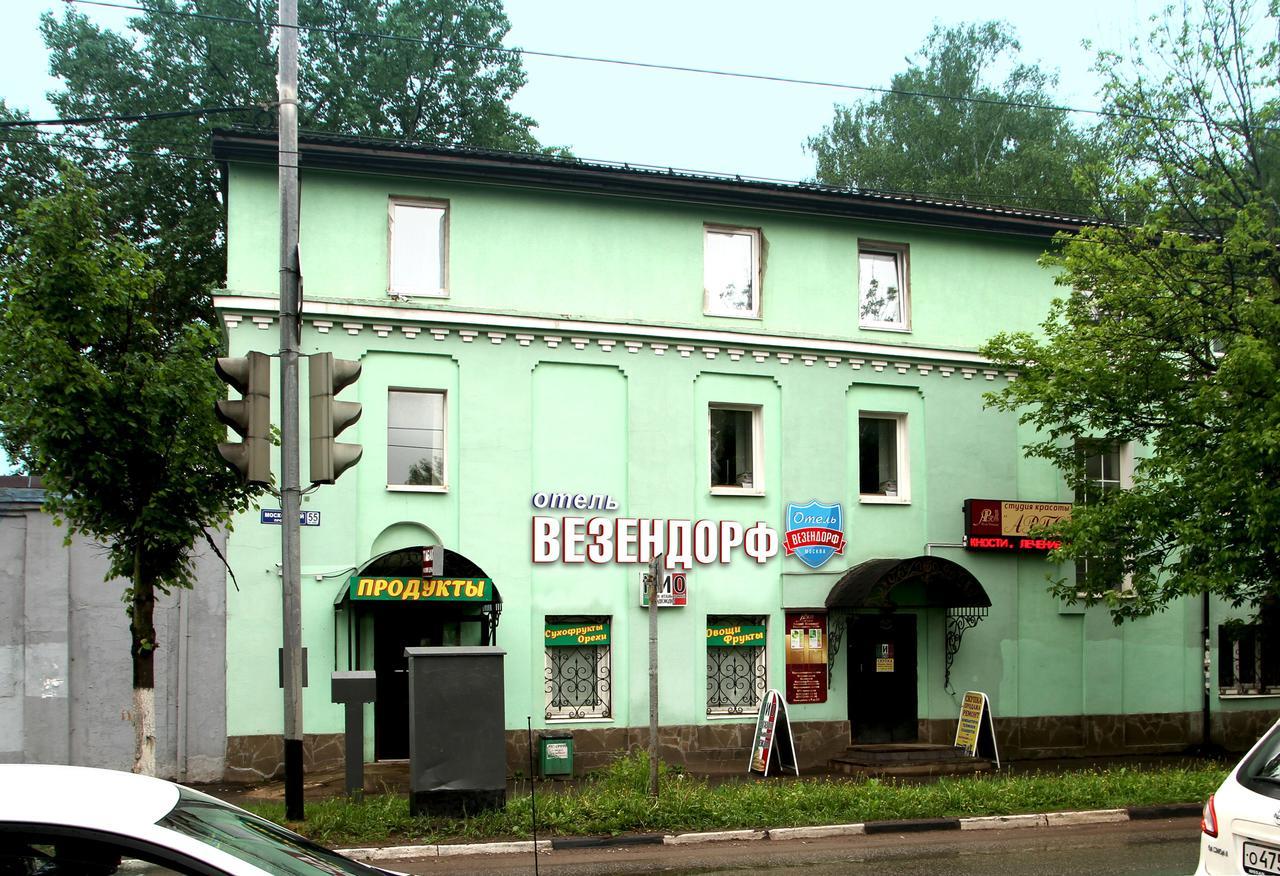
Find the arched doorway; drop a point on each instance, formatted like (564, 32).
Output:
(875, 606)
(398, 606)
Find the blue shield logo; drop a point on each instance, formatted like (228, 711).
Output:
(814, 533)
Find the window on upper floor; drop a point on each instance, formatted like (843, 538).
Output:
(883, 470)
(416, 439)
(578, 677)
(883, 298)
(1108, 466)
(731, 272)
(736, 451)
(737, 676)
(417, 247)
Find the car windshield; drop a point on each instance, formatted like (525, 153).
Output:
(256, 840)
(1260, 772)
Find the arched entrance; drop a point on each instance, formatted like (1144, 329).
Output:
(875, 606)
(455, 604)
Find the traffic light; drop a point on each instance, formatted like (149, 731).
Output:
(329, 417)
(249, 415)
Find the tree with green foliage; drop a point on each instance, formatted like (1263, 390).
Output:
(112, 410)
(442, 77)
(1169, 336)
(974, 140)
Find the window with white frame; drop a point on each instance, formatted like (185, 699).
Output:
(735, 449)
(578, 676)
(883, 299)
(417, 247)
(737, 676)
(731, 272)
(416, 439)
(883, 472)
(1249, 656)
(1108, 467)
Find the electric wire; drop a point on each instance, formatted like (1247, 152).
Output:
(672, 68)
(139, 117)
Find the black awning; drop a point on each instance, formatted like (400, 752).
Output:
(919, 582)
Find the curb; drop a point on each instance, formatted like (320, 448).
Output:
(986, 822)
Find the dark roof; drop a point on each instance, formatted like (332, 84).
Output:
(871, 584)
(415, 159)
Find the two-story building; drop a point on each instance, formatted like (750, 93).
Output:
(571, 368)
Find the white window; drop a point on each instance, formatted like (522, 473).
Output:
(737, 676)
(416, 439)
(883, 299)
(1108, 466)
(418, 237)
(1249, 658)
(736, 449)
(578, 677)
(731, 272)
(883, 471)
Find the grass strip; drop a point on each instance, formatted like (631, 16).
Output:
(614, 800)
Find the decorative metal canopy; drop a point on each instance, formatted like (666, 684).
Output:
(919, 582)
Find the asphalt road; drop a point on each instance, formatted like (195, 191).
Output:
(1149, 848)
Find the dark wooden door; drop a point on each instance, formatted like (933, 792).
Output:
(393, 631)
(882, 678)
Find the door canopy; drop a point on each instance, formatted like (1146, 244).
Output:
(919, 582)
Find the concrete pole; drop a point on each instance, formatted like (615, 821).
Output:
(290, 489)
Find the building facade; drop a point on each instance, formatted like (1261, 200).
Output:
(569, 368)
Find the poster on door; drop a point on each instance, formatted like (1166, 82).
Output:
(806, 657)
(884, 657)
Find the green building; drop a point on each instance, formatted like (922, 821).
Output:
(570, 368)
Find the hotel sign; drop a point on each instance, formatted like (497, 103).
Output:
(1012, 526)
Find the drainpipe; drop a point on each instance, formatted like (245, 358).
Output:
(1206, 727)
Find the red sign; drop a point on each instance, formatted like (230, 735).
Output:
(806, 657)
(1007, 525)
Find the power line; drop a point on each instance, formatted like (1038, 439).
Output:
(672, 68)
(140, 117)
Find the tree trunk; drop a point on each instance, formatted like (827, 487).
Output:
(143, 647)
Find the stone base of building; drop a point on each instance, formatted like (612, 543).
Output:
(696, 747)
(260, 758)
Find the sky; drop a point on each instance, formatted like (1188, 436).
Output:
(699, 122)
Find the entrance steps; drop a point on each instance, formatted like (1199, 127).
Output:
(906, 759)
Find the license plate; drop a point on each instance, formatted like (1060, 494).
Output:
(1261, 859)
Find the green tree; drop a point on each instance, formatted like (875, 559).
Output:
(1170, 333)
(992, 146)
(111, 410)
(444, 80)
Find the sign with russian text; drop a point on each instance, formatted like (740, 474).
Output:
(975, 729)
(806, 657)
(772, 745)
(814, 533)
(600, 540)
(422, 589)
(673, 590)
(1012, 526)
(275, 516)
(735, 636)
(576, 635)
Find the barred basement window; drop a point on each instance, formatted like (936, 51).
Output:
(1248, 660)
(578, 673)
(737, 677)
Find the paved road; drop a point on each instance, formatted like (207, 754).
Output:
(1148, 848)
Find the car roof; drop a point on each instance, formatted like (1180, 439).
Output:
(82, 796)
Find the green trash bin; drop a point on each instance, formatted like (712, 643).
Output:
(555, 754)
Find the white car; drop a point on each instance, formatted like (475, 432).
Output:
(76, 821)
(1240, 830)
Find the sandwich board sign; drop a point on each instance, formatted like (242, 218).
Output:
(975, 731)
(772, 745)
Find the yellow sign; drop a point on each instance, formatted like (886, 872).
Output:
(971, 709)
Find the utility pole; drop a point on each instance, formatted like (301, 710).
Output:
(655, 569)
(290, 488)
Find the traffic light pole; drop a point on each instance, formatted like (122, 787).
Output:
(290, 488)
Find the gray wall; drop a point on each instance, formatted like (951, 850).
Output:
(65, 672)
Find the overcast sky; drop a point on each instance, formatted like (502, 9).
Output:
(695, 121)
